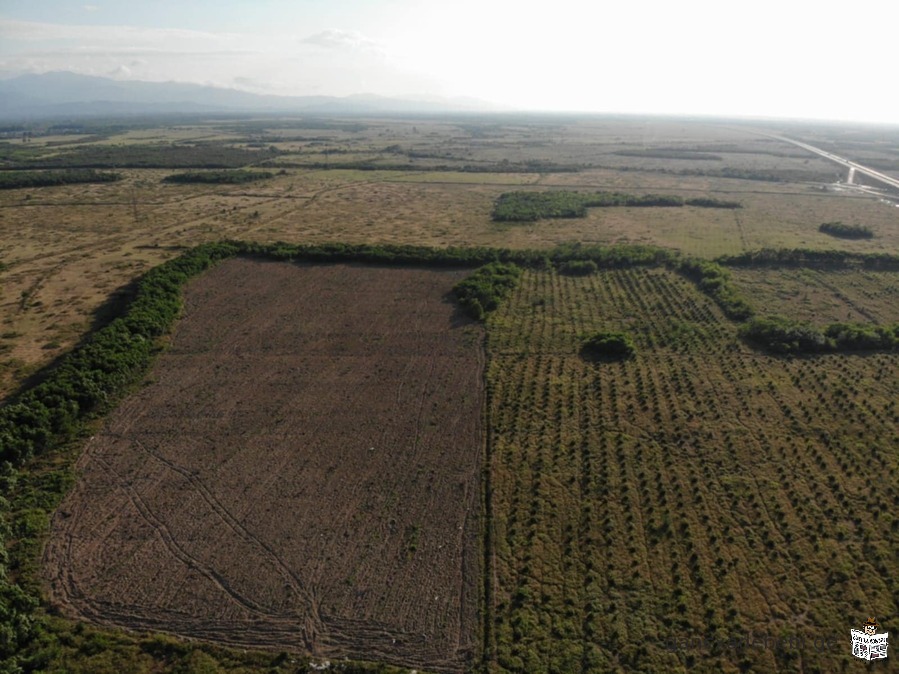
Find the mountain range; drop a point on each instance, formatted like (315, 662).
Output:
(66, 94)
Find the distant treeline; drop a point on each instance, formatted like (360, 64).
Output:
(845, 231)
(783, 335)
(207, 155)
(531, 206)
(235, 177)
(765, 175)
(10, 180)
(374, 165)
(672, 153)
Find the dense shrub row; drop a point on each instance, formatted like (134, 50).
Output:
(10, 180)
(844, 231)
(714, 280)
(782, 335)
(235, 177)
(486, 287)
(803, 257)
(210, 155)
(531, 206)
(578, 267)
(103, 366)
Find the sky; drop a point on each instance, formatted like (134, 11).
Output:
(756, 58)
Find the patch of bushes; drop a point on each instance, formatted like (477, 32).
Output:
(236, 177)
(11, 180)
(817, 259)
(611, 345)
(578, 267)
(532, 206)
(783, 335)
(486, 287)
(708, 202)
(844, 231)
(714, 280)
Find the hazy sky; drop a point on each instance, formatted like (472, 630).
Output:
(792, 58)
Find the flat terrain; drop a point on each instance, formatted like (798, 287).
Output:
(67, 249)
(301, 471)
(697, 491)
(307, 466)
(823, 297)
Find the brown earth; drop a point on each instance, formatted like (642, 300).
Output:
(300, 472)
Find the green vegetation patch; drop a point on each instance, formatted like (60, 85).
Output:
(783, 335)
(611, 345)
(844, 231)
(10, 180)
(815, 259)
(236, 177)
(715, 281)
(485, 288)
(531, 206)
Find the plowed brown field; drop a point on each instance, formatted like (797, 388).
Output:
(300, 472)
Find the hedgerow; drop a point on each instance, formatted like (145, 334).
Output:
(10, 180)
(235, 177)
(783, 335)
(531, 206)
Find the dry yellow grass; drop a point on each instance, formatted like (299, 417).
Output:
(67, 249)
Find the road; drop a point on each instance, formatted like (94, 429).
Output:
(863, 170)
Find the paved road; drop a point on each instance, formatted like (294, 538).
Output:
(864, 170)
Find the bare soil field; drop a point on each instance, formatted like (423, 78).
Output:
(300, 472)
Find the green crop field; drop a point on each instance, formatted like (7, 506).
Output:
(698, 489)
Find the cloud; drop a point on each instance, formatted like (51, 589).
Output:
(343, 40)
(92, 8)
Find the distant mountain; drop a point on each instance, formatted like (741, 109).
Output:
(66, 94)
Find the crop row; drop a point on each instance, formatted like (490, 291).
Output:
(697, 489)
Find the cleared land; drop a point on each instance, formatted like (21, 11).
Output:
(300, 472)
(822, 297)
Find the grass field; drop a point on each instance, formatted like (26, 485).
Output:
(699, 490)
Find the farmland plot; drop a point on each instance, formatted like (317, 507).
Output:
(698, 490)
(301, 472)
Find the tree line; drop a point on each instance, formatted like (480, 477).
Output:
(786, 336)
(523, 206)
(10, 180)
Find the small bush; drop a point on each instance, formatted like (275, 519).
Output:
(614, 345)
